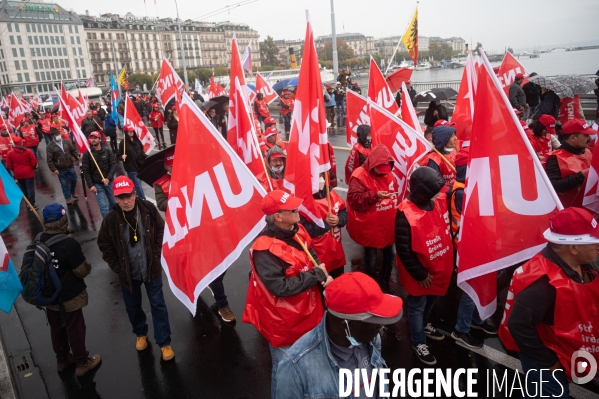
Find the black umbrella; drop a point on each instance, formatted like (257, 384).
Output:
(207, 105)
(220, 102)
(154, 166)
(137, 92)
(436, 94)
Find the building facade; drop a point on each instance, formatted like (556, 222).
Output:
(361, 44)
(284, 46)
(41, 45)
(245, 35)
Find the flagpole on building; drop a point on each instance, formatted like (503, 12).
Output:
(334, 39)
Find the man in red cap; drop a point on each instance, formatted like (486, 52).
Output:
(275, 165)
(539, 134)
(269, 139)
(130, 240)
(516, 94)
(346, 338)
(99, 174)
(44, 126)
(23, 164)
(550, 315)
(270, 121)
(30, 137)
(287, 110)
(568, 167)
(261, 108)
(284, 266)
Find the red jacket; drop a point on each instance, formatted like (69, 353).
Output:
(262, 108)
(22, 162)
(157, 119)
(30, 138)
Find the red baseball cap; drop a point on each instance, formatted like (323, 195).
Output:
(169, 159)
(96, 134)
(356, 296)
(271, 130)
(122, 185)
(577, 126)
(443, 122)
(524, 125)
(279, 200)
(549, 122)
(94, 112)
(270, 121)
(17, 140)
(572, 226)
(519, 76)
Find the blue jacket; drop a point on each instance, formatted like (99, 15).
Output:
(309, 370)
(329, 100)
(109, 123)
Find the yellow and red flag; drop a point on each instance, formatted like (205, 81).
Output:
(410, 38)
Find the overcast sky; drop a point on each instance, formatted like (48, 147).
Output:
(515, 23)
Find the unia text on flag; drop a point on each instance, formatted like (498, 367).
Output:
(168, 83)
(410, 38)
(356, 114)
(16, 112)
(569, 109)
(378, 90)
(406, 145)
(508, 198)
(508, 70)
(263, 87)
(10, 285)
(132, 118)
(464, 104)
(78, 135)
(77, 109)
(307, 151)
(408, 113)
(214, 207)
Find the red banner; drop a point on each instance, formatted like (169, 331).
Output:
(263, 87)
(378, 91)
(78, 110)
(307, 151)
(356, 114)
(508, 197)
(16, 112)
(508, 70)
(133, 119)
(234, 129)
(168, 83)
(464, 104)
(214, 207)
(569, 109)
(215, 89)
(70, 120)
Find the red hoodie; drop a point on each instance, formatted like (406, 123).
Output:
(22, 162)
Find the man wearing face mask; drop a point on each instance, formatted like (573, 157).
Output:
(60, 155)
(275, 164)
(444, 140)
(372, 201)
(359, 152)
(347, 337)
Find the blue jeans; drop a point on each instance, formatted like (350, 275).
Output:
(105, 197)
(137, 183)
(28, 189)
(34, 150)
(387, 266)
(218, 290)
(277, 355)
(47, 138)
(64, 176)
(550, 387)
(287, 120)
(137, 316)
(419, 308)
(340, 107)
(467, 314)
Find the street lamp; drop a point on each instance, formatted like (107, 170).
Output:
(181, 44)
(334, 39)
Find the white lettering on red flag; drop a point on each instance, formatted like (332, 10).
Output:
(15, 112)
(356, 114)
(378, 90)
(77, 109)
(133, 119)
(508, 198)
(464, 105)
(214, 207)
(508, 70)
(569, 109)
(78, 135)
(168, 83)
(263, 87)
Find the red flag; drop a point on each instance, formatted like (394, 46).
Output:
(81, 98)
(408, 113)
(16, 112)
(215, 89)
(133, 119)
(77, 109)
(508, 197)
(378, 91)
(464, 104)
(569, 109)
(407, 146)
(26, 106)
(591, 191)
(78, 135)
(214, 207)
(35, 102)
(508, 70)
(236, 74)
(307, 151)
(356, 114)
(397, 78)
(263, 87)
(168, 83)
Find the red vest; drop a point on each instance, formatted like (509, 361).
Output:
(44, 125)
(353, 160)
(30, 138)
(570, 164)
(282, 320)
(376, 227)
(456, 217)
(431, 242)
(575, 309)
(277, 184)
(290, 103)
(328, 247)
(5, 146)
(165, 183)
(447, 173)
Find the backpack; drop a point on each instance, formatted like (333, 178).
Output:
(41, 285)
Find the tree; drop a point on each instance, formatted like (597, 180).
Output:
(204, 75)
(511, 50)
(138, 79)
(191, 76)
(478, 45)
(440, 52)
(269, 52)
(221, 71)
(344, 52)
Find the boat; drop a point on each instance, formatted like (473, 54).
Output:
(423, 66)
(405, 64)
(326, 75)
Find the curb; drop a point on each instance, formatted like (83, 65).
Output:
(8, 386)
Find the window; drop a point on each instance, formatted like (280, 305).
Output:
(54, 75)
(54, 52)
(69, 74)
(43, 51)
(78, 40)
(19, 77)
(45, 30)
(76, 29)
(101, 35)
(46, 64)
(70, 29)
(55, 28)
(43, 75)
(33, 52)
(76, 63)
(19, 40)
(27, 77)
(83, 73)
(66, 63)
(33, 28)
(39, 28)
(59, 50)
(10, 27)
(38, 52)
(74, 50)
(34, 64)
(80, 52)
(12, 39)
(62, 63)
(24, 64)
(17, 65)
(30, 39)
(17, 28)
(72, 40)
(60, 28)
(82, 63)
(22, 52)
(37, 76)
(62, 39)
(35, 40)
(51, 63)
(78, 75)
(64, 75)
(52, 40)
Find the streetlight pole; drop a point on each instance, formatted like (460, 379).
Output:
(334, 39)
(181, 44)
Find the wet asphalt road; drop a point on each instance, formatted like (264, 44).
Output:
(213, 359)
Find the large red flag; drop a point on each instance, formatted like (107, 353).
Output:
(397, 78)
(78, 110)
(307, 151)
(236, 74)
(78, 135)
(215, 89)
(508, 197)
(15, 112)
(168, 83)
(263, 87)
(378, 91)
(408, 113)
(591, 191)
(133, 119)
(214, 207)
(407, 146)
(356, 114)
(80, 97)
(508, 70)
(464, 104)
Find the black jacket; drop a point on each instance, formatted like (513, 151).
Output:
(135, 154)
(517, 96)
(559, 183)
(106, 162)
(430, 119)
(89, 125)
(316, 231)
(171, 122)
(550, 103)
(57, 158)
(532, 91)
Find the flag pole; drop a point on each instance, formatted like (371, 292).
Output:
(33, 209)
(125, 134)
(301, 243)
(255, 139)
(445, 159)
(326, 184)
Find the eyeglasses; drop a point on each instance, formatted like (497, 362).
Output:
(292, 211)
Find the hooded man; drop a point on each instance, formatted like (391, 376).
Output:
(275, 165)
(444, 140)
(371, 200)
(23, 163)
(346, 338)
(359, 152)
(425, 253)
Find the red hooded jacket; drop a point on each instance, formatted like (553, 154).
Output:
(22, 162)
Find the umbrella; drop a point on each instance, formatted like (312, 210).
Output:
(251, 86)
(552, 84)
(207, 105)
(137, 92)
(220, 101)
(293, 82)
(153, 168)
(578, 84)
(395, 79)
(436, 94)
(280, 85)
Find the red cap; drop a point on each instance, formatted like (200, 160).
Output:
(271, 130)
(279, 200)
(577, 126)
(517, 111)
(169, 159)
(17, 140)
(524, 125)
(572, 226)
(94, 112)
(549, 122)
(356, 296)
(285, 91)
(519, 76)
(461, 158)
(443, 122)
(409, 81)
(355, 83)
(384, 168)
(128, 128)
(96, 134)
(328, 86)
(270, 121)
(122, 185)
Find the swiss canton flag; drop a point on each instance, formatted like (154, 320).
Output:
(263, 87)
(508, 70)
(356, 114)
(407, 146)
(378, 91)
(408, 113)
(16, 112)
(168, 83)
(464, 104)
(214, 207)
(508, 197)
(307, 151)
(215, 89)
(78, 135)
(133, 119)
